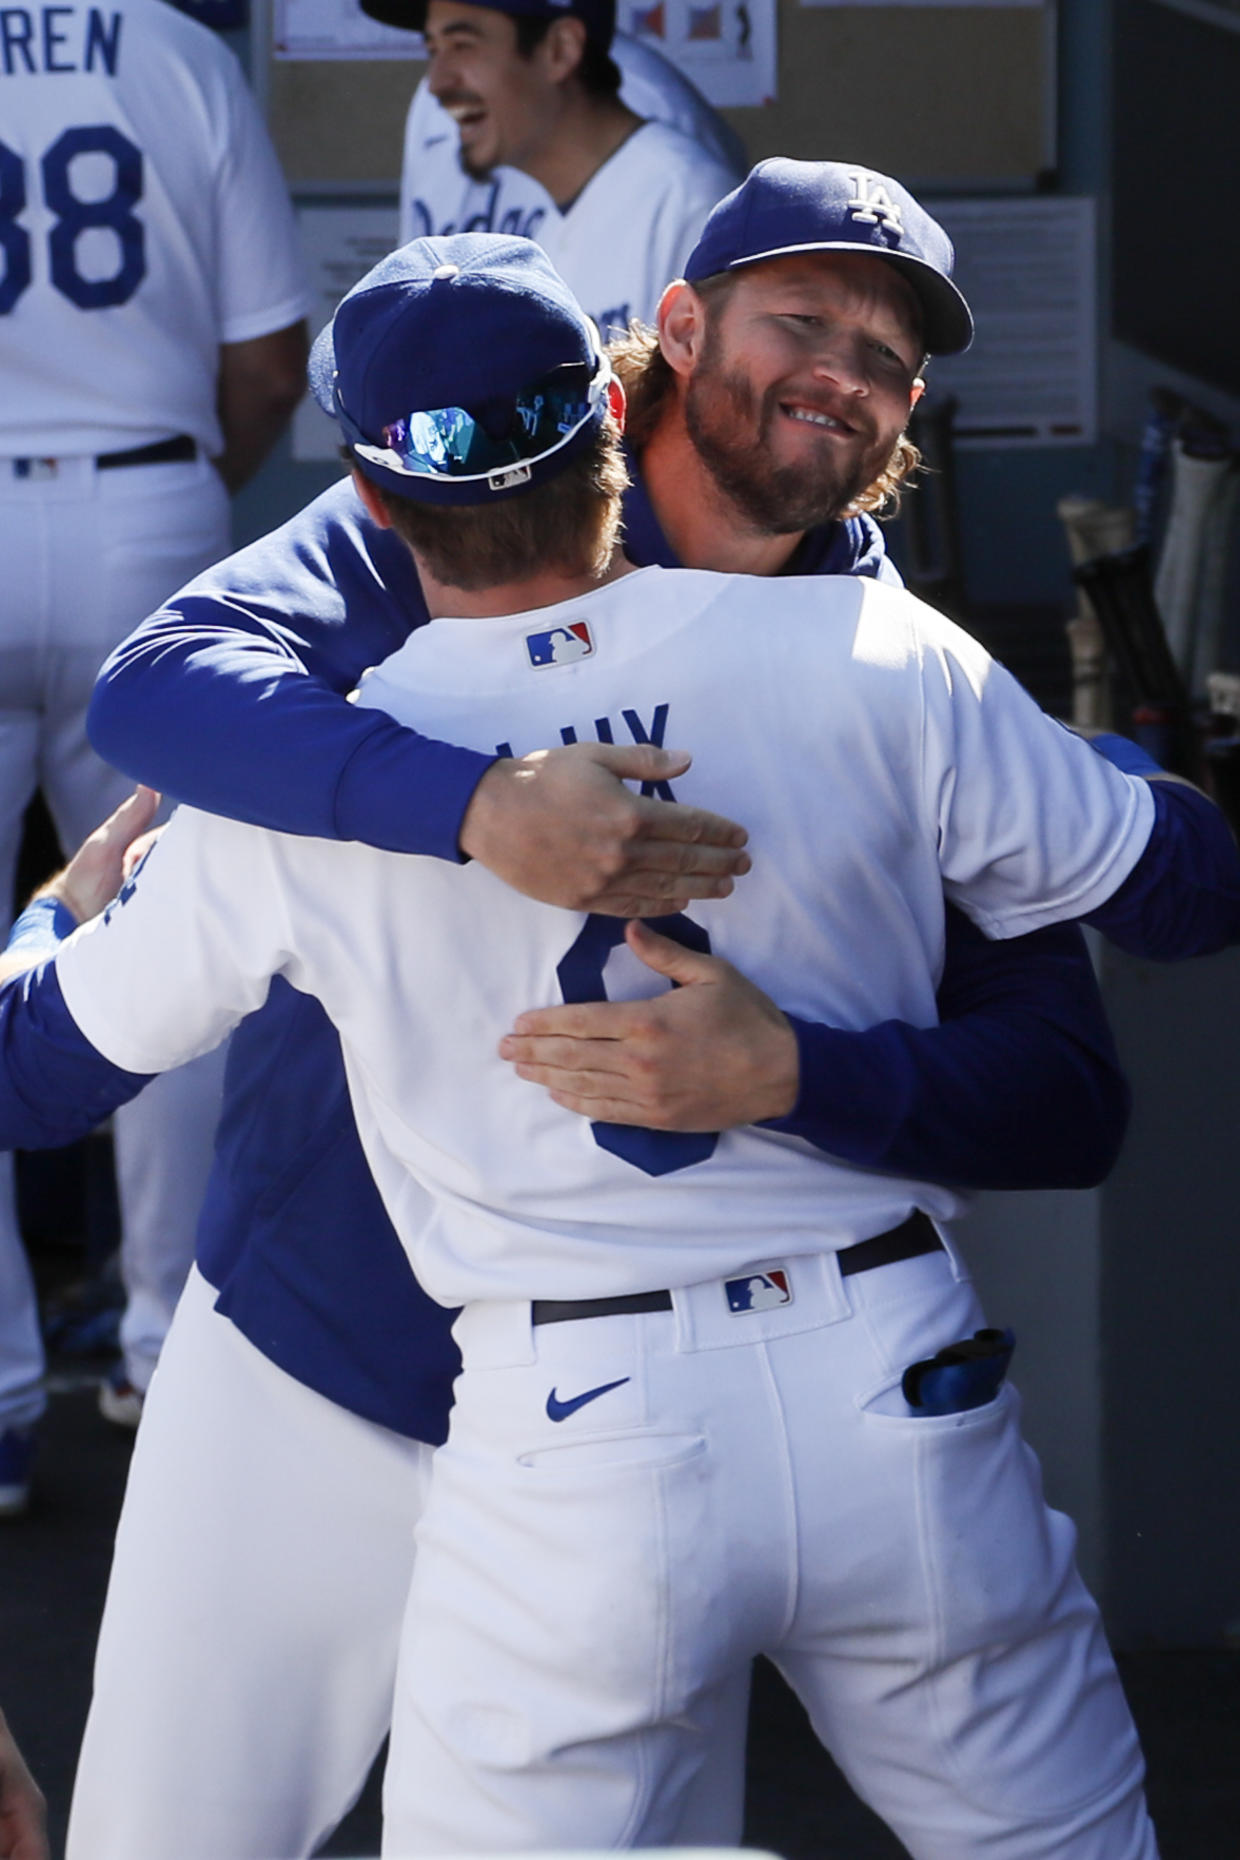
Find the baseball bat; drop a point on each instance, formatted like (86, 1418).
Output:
(1211, 611)
(1199, 462)
(1120, 589)
(1093, 529)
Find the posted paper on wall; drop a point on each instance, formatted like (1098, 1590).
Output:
(341, 244)
(1028, 270)
(725, 47)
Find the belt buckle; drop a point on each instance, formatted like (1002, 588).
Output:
(36, 470)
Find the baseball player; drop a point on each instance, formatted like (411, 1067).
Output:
(153, 346)
(534, 136)
(438, 195)
(437, 189)
(290, 1177)
(1020, 820)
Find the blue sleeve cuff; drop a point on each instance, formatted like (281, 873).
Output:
(850, 1097)
(42, 927)
(1125, 754)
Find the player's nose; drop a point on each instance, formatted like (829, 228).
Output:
(439, 75)
(840, 356)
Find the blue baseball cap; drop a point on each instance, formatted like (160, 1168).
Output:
(462, 369)
(786, 206)
(597, 16)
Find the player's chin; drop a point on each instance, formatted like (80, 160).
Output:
(478, 155)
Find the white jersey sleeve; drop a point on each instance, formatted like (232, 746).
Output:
(1033, 826)
(207, 896)
(145, 223)
(261, 274)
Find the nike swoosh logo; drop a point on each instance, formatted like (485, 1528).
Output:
(560, 1410)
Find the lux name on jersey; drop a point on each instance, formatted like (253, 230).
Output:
(637, 732)
(56, 39)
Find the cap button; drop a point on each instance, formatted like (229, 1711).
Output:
(446, 271)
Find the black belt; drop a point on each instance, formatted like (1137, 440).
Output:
(159, 452)
(909, 1240)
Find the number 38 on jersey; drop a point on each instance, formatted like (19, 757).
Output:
(91, 182)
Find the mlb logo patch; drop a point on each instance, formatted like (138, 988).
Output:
(560, 645)
(758, 1291)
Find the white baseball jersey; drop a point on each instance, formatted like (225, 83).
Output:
(878, 758)
(628, 232)
(143, 222)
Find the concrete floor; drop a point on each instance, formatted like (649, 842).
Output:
(53, 1567)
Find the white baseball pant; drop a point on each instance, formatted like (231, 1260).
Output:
(88, 554)
(243, 1680)
(752, 1482)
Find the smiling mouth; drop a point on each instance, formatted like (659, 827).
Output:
(465, 115)
(810, 416)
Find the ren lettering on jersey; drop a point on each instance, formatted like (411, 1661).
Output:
(604, 732)
(41, 41)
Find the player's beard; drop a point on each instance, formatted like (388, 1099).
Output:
(731, 431)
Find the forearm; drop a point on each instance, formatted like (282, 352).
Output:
(1018, 1086)
(228, 720)
(995, 1102)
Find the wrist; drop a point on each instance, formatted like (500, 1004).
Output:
(479, 819)
(46, 921)
(782, 1089)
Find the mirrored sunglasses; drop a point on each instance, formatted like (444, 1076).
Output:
(500, 441)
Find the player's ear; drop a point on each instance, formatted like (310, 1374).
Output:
(617, 402)
(681, 319)
(374, 505)
(915, 393)
(563, 48)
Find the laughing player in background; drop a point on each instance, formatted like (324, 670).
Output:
(438, 195)
(1027, 825)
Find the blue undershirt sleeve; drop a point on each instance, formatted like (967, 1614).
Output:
(1018, 1087)
(54, 1085)
(1182, 898)
(230, 718)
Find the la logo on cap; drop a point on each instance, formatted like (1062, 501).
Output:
(871, 202)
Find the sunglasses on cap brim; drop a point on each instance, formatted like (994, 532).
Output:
(500, 441)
